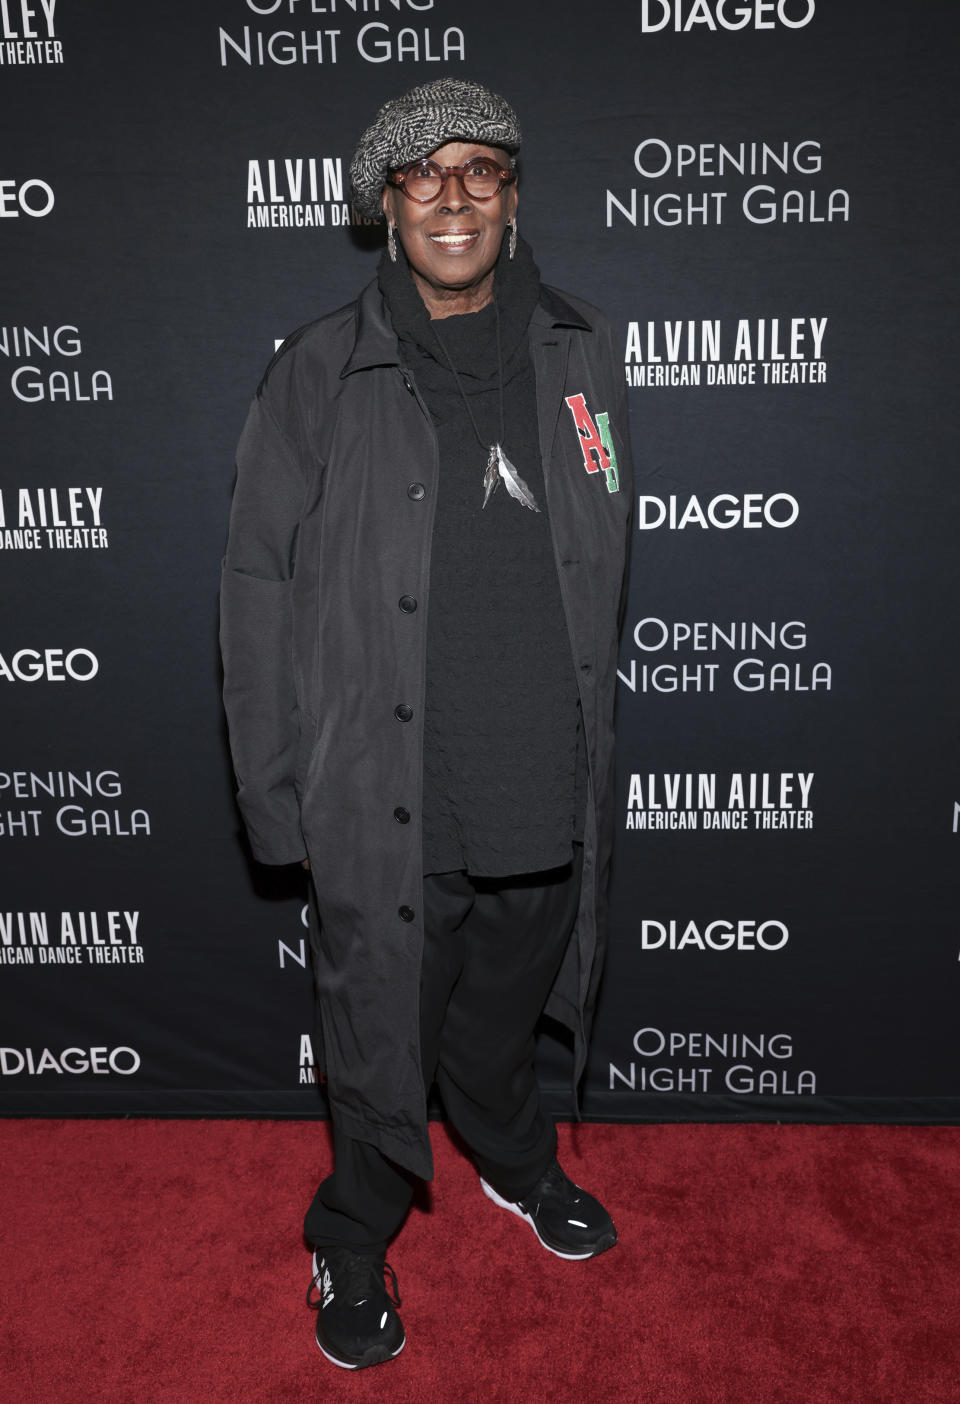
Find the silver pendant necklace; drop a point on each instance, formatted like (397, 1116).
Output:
(499, 468)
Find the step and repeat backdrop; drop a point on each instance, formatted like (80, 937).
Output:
(761, 194)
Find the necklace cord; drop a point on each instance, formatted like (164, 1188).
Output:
(459, 383)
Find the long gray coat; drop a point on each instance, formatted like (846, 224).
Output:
(324, 673)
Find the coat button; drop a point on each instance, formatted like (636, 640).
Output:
(403, 712)
(416, 491)
(401, 815)
(406, 913)
(407, 603)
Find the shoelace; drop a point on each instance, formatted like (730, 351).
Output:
(354, 1278)
(554, 1183)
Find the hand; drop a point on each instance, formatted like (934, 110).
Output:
(305, 864)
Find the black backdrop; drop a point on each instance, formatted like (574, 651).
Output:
(761, 197)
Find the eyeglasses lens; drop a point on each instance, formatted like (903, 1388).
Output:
(481, 179)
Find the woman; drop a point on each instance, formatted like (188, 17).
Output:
(455, 438)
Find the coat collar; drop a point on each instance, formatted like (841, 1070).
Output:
(376, 341)
(553, 310)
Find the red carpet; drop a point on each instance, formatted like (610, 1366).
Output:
(160, 1260)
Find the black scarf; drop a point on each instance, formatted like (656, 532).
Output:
(470, 339)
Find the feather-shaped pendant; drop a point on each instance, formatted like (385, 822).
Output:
(515, 485)
(491, 478)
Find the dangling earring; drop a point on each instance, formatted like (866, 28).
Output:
(512, 241)
(392, 244)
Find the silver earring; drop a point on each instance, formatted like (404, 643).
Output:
(392, 244)
(512, 241)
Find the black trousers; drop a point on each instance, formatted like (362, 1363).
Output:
(492, 950)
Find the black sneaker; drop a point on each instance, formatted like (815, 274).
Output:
(356, 1321)
(567, 1220)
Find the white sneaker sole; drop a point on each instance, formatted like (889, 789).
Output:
(491, 1193)
(359, 1364)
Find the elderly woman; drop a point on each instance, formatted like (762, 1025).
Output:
(420, 607)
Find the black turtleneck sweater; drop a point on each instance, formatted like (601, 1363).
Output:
(503, 778)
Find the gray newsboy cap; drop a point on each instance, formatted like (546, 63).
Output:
(414, 125)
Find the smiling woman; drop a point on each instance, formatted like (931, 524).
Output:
(419, 678)
(450, 213)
